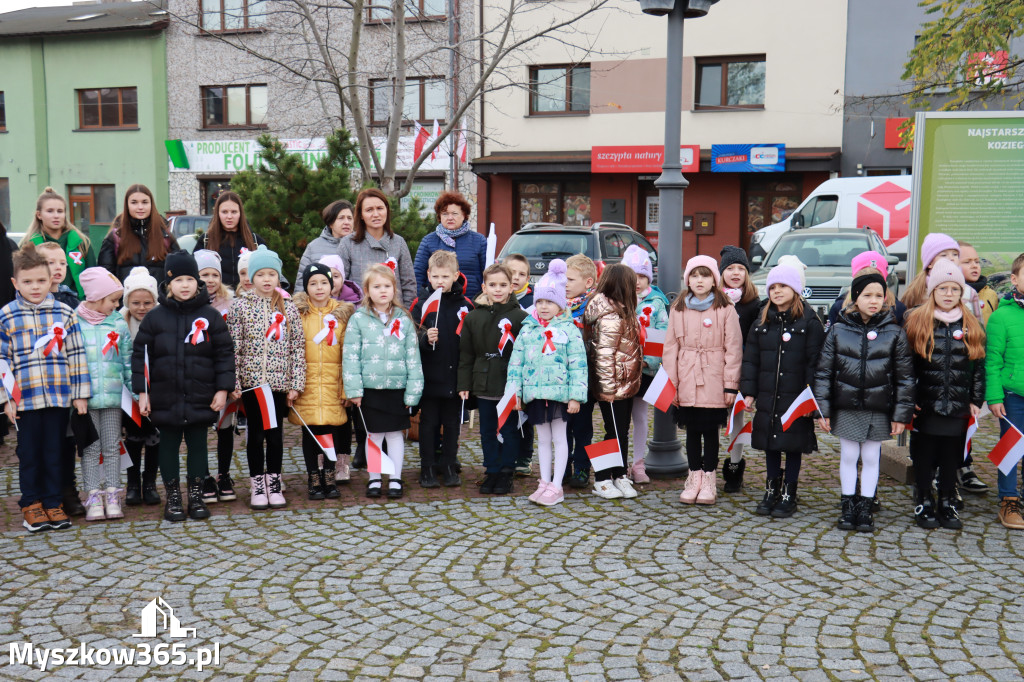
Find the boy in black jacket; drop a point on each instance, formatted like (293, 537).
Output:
(440, 328)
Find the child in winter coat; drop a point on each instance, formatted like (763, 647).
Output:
(519, 266)
(489, 334)
(344, 290)
(191, 369)
(736, 285)
(866, 263)
(581, 277)
(652, 312)
(222, 489)
(548, 371)
(949, 346)
(108, 350)
(321, 407)
(382, 370)
(440, 328)
(935, 246)
(864, 386)
(140, 294)
(703, 355)
(778, 365)
(269, 351)
(970, 265)
(615, 359)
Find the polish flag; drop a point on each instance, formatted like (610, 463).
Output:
(422, 138)
(743, 437)
(736, 411)
(10, 385)
(604, 455)
(326, 443)
(804, 405)
(506, 406)
(266, 402)
(972, 426)
(130, 406)
(126, 459)
(463, 147)
(376, 461)
(435, 135)
(431, 305)
(229, 408)
(655, 343)
(1008, 450)
(661, 392)
(145, 365)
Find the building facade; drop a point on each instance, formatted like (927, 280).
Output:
(83, 109)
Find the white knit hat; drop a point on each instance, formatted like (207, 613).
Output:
(243, 260)
(139, 278)
(798, 265)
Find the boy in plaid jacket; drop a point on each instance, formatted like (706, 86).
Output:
(42, 348)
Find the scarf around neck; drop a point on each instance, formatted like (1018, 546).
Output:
(449, 236)
(1017, 298)
(949, 316)
(700, 304)
(89, 315)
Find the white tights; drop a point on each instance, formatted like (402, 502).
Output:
(869, 453)
(546, 433)
(396, 451)
(639, 417)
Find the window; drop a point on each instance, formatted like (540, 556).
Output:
(108, 108)
(567, 203)
(425, 99)
(818, 210)
(560, 89)
(209, 190)
(233, 15)
(3, 113)
(5, 202)
(92, 205)
(730, 83)
(380, 10)
(234, 106)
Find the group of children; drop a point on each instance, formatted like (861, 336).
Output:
(191, 353)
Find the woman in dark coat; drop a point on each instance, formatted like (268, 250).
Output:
(228, 234)
(778, 364)
(139, 236)
(454, 233)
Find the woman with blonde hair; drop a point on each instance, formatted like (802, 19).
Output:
(50, 223)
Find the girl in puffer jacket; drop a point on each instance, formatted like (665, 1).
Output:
(949, 346)
(615, 358)
(703, 355)
(864, 386)
(548, 371)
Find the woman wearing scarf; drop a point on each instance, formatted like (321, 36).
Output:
(453, 233)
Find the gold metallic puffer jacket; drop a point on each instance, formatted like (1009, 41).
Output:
(614, 353)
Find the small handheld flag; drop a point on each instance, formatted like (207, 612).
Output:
(10, 385)
(972, 426)
(804, 405)
(605, 454)
(655, 343)
(661, 391)
(431, 305)
(506, 406)
(130, 406)
(737, 410)
(1009, 450)
(324, 440)
(743, 437)
(145, 365)
(126, 460)
(265, 400)
(229, 409)
(376, 461)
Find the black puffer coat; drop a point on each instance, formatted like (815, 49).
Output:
(948, 384)
(184, 376)
(230, 249)
(775, 371)
(441, 361)
(858, 372)
(111, 247)
(749, 313)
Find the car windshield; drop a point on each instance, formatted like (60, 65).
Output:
(825, 250)
(546, 245)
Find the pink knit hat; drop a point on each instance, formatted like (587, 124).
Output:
(697, 261)
(933, 245)
(98, 283)
(869, 259)
(784, 274)
(945, 271)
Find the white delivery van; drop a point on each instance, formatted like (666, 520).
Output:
(881, 203)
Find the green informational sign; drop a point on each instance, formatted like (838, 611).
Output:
(969, 184)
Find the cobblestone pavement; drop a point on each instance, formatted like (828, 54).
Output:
(448, 585)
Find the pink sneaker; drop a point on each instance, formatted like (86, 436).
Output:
(274, 491)
(541, 487)
(692, 487)
(708, 493)
(551, 496)
(638, 473)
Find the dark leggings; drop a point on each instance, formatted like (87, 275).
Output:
(709, 460)
(616, 425)
(257, 434)
(311, 450)
(195, 445)
(773, 463)
(225, 449)
(151, 459)
(930, 452)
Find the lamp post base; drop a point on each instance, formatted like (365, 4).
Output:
(664, 451)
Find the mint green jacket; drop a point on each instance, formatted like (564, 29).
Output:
(109, 371)
(561, 375)
(376, 358)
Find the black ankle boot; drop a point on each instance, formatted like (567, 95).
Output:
(196, 506)
(149, 493)
(428, 479)
(771, 497)
(948, 515)
(133, 488)
(924, 511)
(71, 502)
(848, 517)
(450, 478)
(503, 484)
(327, 481)
(173, 511)
(786, 505)
(865, 519)
(316, 492)
(732, 474)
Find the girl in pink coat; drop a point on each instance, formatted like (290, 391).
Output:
(703, 357)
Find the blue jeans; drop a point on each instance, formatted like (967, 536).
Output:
(40, 446)
(497, 456)
(1014, 405)
(580, 433)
